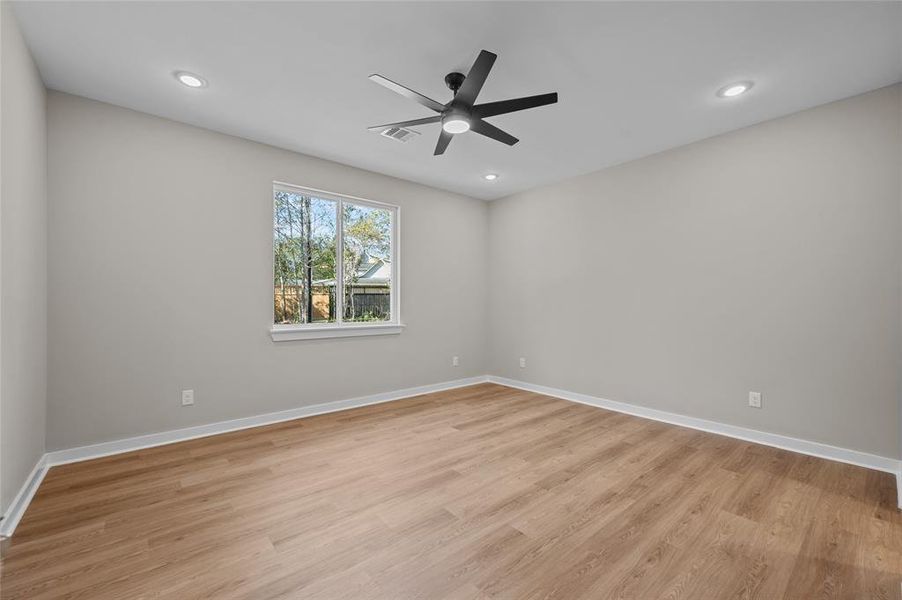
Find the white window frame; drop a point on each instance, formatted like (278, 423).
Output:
(339, 329)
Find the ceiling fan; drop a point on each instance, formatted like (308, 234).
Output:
(462, 113)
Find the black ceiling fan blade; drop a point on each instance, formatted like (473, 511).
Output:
(443, 140)
(411, 123)
(502, 107)
(408, 93)
(467, 93)
(488, 130)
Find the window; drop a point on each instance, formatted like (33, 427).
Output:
(334, 265)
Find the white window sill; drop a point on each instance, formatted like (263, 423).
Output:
(288, 333)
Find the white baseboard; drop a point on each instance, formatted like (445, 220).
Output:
(853, 457)
(17, 507)
(59, 457)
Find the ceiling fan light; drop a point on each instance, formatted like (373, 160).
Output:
(456, 125)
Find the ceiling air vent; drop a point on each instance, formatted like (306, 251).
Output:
(399, 133)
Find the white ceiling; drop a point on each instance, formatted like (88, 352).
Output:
(634, 78)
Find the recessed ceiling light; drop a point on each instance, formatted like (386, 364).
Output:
(456, 125)
(190, 79)
(734, 89)
(490, 176)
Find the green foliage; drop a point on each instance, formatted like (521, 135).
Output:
(365, 317)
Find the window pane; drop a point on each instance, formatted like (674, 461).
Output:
(367, 263)
(303, 258)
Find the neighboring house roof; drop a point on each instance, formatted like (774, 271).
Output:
(374, 271)
(379, 271)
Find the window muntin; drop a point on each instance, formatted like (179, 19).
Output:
(316, 286)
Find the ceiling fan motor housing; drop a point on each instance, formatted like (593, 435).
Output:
(457, 113)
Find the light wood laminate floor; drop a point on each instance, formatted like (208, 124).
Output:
(475, 493)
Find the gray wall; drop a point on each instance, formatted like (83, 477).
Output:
(23, 261)
(766, 259)
(161, 279)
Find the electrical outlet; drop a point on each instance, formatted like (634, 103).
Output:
(187, 397)
(522, 363)
(755, 399)
(455, 361)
